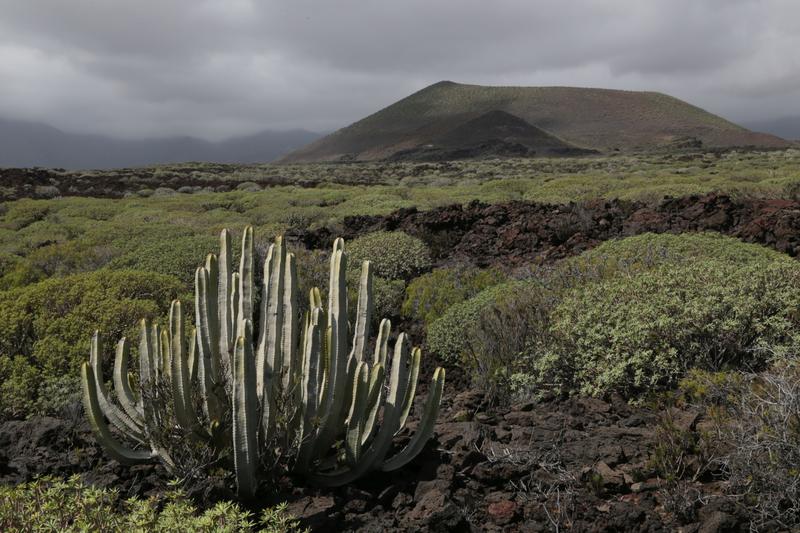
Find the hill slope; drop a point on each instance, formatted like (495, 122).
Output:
(493, 134)
(28, 144)
(600, 119)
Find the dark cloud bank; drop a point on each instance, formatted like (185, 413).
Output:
(219, 68)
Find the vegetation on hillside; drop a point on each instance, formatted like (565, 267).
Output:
(44, 238)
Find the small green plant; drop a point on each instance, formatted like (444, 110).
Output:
(595, 483)
(678, 452)
(278, 520)
(49, 504)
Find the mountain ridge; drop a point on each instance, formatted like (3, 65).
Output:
(29, 144)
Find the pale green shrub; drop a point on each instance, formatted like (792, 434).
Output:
(49, 504)
(429, 296)
(394, 255)
(636, 334)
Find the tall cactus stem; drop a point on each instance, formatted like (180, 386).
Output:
(245, 454)
(361, 333)
(224, 290)
(92, 405)
(122, 384)
(246, 266)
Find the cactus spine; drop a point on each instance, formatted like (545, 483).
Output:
(304, 386)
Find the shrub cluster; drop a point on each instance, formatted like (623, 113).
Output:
(628, 256)
(396, 258)
(643, 332)
(430, 295)
(448, 335)
(45, 328)
(49, 504)
(176, 256)
(628, 316)
(388, 295)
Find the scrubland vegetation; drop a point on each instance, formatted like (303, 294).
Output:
(371, 188)
(69, 505)
(695, 322)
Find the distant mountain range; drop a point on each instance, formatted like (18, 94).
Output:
(452, 120)
(28, 144)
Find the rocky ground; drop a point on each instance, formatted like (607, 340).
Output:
(519, 233)
(42, 183)
(578, 464)
(187, 178)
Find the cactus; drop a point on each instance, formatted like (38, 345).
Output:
(308, 386)
(164, 359)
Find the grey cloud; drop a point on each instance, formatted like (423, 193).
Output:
(215, 68)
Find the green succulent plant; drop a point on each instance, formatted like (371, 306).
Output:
(310, 386)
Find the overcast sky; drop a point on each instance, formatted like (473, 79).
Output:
(217, 68)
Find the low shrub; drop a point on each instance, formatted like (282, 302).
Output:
(24, 213)
(26, 391)
(515, 323)
(429, 296)
(18, 386)
(49, 504)
(175, 256)
(394, 255)
(388, 294)
(447, 335)
(56, 396)
(45, 327)
(752, 427)
(650, 250)
(16, 271)
(70, 257)
(644, 332)
(626, 316)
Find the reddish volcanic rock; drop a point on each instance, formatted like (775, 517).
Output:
(519, 233)
(503, 511)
